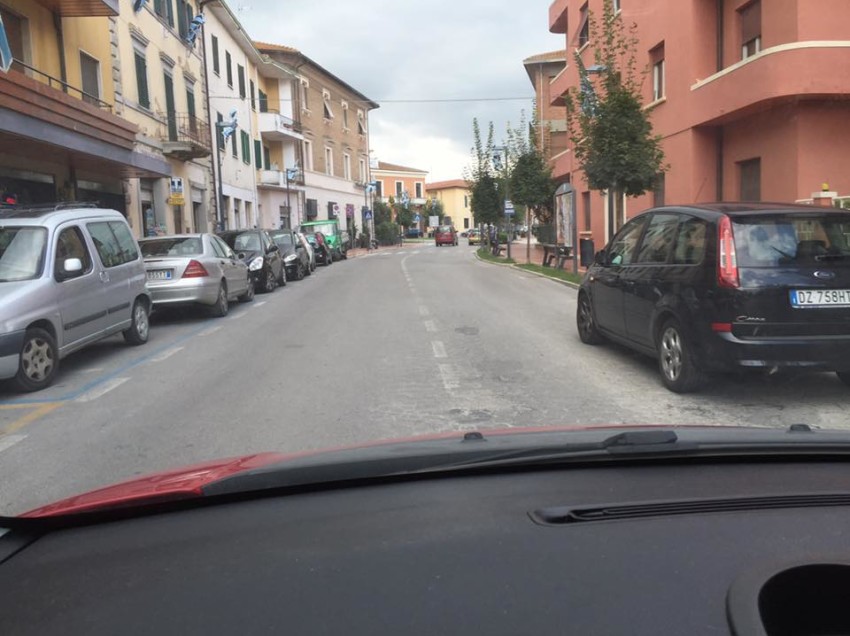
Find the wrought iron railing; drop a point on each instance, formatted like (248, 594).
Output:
(57, 83)
(187, 128)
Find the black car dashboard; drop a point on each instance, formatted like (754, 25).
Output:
(629, 548)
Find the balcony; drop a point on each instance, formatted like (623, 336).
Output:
(81, 8)
(277, 179)
(276, 127)
(559, 86)
(780, 74)
(185, 137)
(558, 16)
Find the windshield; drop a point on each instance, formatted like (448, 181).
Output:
(176, 246)
(553, 213)
(21, 252)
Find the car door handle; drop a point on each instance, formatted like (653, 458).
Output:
(104, 277)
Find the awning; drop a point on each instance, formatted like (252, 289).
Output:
(81, 8)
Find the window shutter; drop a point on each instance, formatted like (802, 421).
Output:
(751, 21)
(182, 14)
(258, 154)
(142, 80)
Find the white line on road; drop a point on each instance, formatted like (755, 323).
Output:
(92, 370)
(423, 311)
(101, 390)
(259, 304)
(166, 354)
(430, 326)
(8, 441)
(210, 331)
(439, 349)
(451, 382)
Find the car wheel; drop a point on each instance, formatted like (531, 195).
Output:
(248, 296)
(270, 282)
(139, 330)
(221, 307)
(587, 330)
(299, 271)
(39, 361)
(676, 360)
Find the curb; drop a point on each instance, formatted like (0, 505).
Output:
(516, 266)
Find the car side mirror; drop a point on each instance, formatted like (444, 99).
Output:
(601, 258)
(241, 256)
(71, 268)
(273, 248)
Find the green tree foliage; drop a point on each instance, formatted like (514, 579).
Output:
(485, 201)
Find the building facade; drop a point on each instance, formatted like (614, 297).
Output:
(750, 98)
(61, 136)
(551, 118)
(455, 196)
(394, 181)
(334, 120)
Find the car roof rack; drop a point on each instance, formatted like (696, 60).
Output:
(12, 210)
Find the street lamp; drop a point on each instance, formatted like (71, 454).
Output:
(288, 175)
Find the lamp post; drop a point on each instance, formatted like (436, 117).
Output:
(289, 175)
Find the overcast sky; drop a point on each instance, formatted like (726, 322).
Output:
(425, 50)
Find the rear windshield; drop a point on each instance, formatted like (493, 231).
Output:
(282, 239)
(444, 228)
(244, 242)
(21, 252)
(175, 246)
(772, 241)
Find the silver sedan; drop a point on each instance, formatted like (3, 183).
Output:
(195, 269)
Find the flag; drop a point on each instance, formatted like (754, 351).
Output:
(6, 57)
(138, 4)
(230, 127)
(195, 28)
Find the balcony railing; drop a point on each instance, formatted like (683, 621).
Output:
(277, 178)
(54, 82)
(272, 121)
(185, 136)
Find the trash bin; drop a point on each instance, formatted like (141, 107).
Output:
(586, 252)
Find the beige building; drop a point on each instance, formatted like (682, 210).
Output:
(334, 119)
(158, 82)
(455, 196)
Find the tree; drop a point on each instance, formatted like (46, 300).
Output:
(434, 207)
(484, 200)
(610, 132)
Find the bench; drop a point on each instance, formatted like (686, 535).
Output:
(559, 253)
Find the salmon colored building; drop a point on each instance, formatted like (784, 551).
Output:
(751, 98)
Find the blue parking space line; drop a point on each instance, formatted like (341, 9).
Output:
(108, 376)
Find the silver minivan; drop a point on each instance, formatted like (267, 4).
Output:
(68, 276)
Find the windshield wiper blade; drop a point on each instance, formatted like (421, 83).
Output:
(830, 257)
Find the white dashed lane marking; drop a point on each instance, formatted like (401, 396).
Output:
(101, 390)
(166, 354)
(7, 441)
(430, 326)
(439, 349)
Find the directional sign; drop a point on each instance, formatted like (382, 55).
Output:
(509, 208)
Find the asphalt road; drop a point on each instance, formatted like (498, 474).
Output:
(397, 343)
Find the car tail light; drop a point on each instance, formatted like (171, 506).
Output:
(195, 270)
(721, 327)
(727, 259)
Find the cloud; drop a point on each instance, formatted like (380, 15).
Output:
(435, 50)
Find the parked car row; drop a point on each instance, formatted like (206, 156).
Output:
(72, 275)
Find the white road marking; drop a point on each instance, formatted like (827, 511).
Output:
(166, 354)
(430, 326)
(7, 441)
(259, 304)
(92, 370)
(423, 311)
(101, 390)
(439, 349)
(210, 331)
(451, 382)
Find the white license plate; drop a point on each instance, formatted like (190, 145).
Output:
(159, 274)
(820, 297)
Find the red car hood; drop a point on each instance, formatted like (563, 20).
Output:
(188, 482)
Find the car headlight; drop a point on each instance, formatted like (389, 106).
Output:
(290, 258)
(256, 264)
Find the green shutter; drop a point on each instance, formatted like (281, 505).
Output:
(169, 14)
(267, 158)
(240, 72)
(142, 80)
(182, 18)
(264, 102)
(253, 101)
(258, 154)
(190, 103)
(219, 137)
(246, 147)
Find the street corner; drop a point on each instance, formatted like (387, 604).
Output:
(14, 417)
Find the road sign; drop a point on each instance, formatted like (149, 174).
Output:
(417, 219)
(368, 215)
(433, 221)
(509, 208)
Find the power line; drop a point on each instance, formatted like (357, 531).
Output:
(409, 101)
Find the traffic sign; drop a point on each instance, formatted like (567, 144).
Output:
(509, 208)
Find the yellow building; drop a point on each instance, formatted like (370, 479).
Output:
(455, 196)
(61, 136)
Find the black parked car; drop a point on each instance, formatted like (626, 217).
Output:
(295, 257)
(725, 286)
(259, 252)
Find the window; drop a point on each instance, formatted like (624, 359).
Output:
(750, 172)
(113, 242)
(658, 190)
(266, 158)
(246, 147)
(750, 17)
(465, 201)
(15, 36)
(228, 68)
(399, 188)
(690, 245)
(240, 75)
(466, 223)
(190, 108)
(329, 161)
(346, 166)
(235, 151)
(584, 27)
(659, 238)
(326, 105)
(308, 154)
(253, 100)
(216, 61)
(418, 190)
(379, 189)
(71, 244)
(264, 102)
(656, 58)
(184, 10)
(345, 115)
(622, 247)
(258, 154)
(312, 208)
(585, 208)
(219, 133)
(142, 79)
(305, 102)
(362, 171)
(90, 76)
(361, 122)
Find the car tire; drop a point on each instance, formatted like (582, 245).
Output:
(139, 330)
(38, 362)
(299, 271)
(222, 306)
(270, 282)
(676, 359)
(248, 296)
(586, 325)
